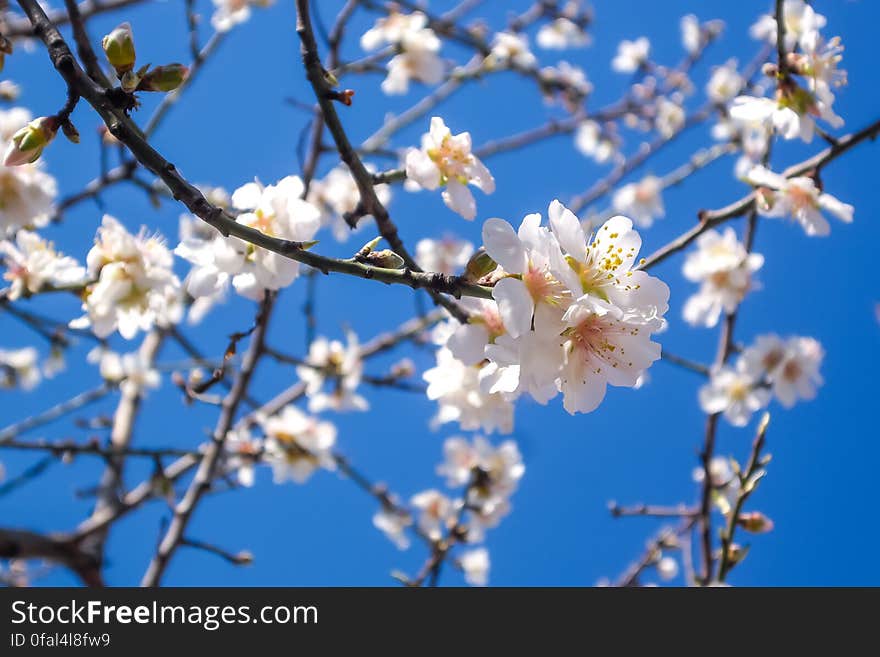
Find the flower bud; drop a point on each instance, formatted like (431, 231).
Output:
(119, 48)
(755, 522)
(70, 131)
(386, 258)
(164, 78)
(28, 143)
(480, 264)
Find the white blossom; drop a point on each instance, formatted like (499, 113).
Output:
(802, 25)
(725, 82)
(418, 47)
(475, 564)
(791, 366)
(436, 512)
(229, 13)
(297, 445)
(798, 198)
(735, 392)
(329, 362)
(393, 523)
(631, 55)
(460, 397)
(19, 367)
(562, 34)
(241, 453)
(642, 201)
(724, 270)
(135, 287)
(792, 114)
(667, 568)
(445, 256)
(32, 263)
(691, 34)
(132, 371)
(594, 141)
(445, 160)
(670, 117)
(512, 50)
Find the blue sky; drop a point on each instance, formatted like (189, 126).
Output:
(640, 446)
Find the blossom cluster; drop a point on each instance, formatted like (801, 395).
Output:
(417, 49)
(485, 477)
(787, 369)
(571, 314)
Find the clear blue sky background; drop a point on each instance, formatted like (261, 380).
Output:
(640, 446)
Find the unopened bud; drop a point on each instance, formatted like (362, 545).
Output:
(368, 248)
(481, 264)
(164, 78)
(245, 558)
(386, 258)
(119, 48)
(70, 131)
(755, 522)
(28, 143)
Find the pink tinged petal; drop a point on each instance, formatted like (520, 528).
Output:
(568, 229)
(843, 211)
(458, 198)
(515, 305)
(504, 247)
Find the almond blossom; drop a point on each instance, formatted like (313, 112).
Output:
(447, 255)
(135, 287)
(19, 367)
(791, 366)
(229, 13)
(341, 366)
(393, 522)
(297, 445)
(275, 210)
(27, 193)
(475, 565)
(131, 371)
(792, 114)
(735, 392)
(597, 142)
(445, 160)
(642, 201)
(799, 198)
(724, 270)
(457, 389)
(725, 82)
(577, 316)
(562, 34)
(631, 55)
(512, 50)
(32, 264)
(417, 45)
(802, 25)
(437, 512)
